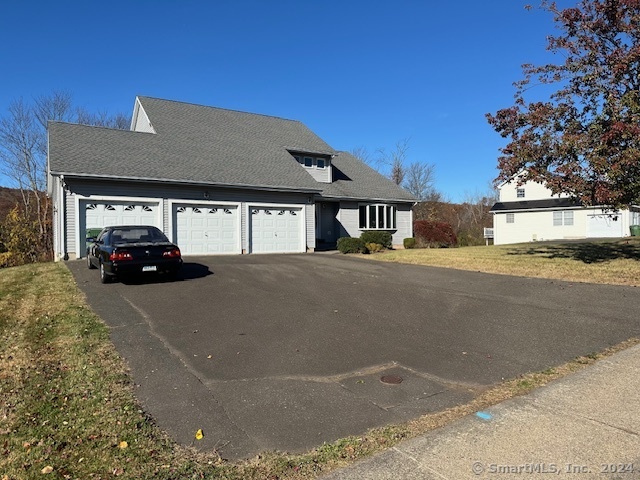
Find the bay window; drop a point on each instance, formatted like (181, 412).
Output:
(377, 217)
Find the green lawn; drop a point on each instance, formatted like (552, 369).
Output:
(615, 262)
(68, 409)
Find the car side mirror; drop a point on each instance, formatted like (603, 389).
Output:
(91, 239)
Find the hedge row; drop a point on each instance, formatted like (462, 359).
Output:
(369, 241)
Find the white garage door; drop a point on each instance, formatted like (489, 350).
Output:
(604, 225)
(276, 230)
(99, 214)
(206, 229)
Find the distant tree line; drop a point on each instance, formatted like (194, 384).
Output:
(417, 177)
(467, 219)
(25, 231)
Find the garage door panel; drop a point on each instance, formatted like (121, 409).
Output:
(103, 213)
(276, 230)
(603, 226)
(206, 229)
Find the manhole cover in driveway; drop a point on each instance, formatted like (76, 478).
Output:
(391, 379)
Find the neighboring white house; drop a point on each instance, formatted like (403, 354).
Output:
(529, 212)
(215, 181)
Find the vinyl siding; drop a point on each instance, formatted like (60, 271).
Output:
(143, 124)
(538, 226)
(349, 219)
(176, 192)
(53, 185)
(310, 212)
(321, 175)
(403, 222)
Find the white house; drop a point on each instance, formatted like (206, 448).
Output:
(530, 212)
(215, 181)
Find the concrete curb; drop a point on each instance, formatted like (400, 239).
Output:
(583, 426)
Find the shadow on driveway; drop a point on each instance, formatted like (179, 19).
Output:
(190, 271)
(587, 251)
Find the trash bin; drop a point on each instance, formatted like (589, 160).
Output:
(635, 230)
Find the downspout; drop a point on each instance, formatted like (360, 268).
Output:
(61, 222)
(411, 216)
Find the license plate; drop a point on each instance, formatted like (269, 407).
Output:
(149, 268)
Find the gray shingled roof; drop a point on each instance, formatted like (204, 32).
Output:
(354, 179)
(198, 144)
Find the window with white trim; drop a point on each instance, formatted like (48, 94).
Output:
(312, 162)
(377, 217)
(520, 193)
(563, 218)
(511, 218)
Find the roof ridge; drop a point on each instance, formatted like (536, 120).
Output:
(221, 108)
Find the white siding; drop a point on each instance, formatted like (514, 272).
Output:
(532, 191)
(538, 226)
(535, 226)
(140, 121)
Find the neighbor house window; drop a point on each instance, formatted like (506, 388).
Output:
(563, 218)
(320, 162)
(377, 217)
(520, 193)
(511, 217)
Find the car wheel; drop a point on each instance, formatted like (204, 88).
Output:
(90, 265)
(104, 278)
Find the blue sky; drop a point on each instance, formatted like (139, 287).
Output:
(358, 73)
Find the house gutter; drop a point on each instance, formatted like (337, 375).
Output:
(192, 183)
(542, 209)
(369, 199)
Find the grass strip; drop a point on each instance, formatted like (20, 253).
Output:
(613, 262)
(68, 409)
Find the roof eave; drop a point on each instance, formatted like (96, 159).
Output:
(273, 188)
(366, 199)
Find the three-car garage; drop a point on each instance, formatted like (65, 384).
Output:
(201, 228)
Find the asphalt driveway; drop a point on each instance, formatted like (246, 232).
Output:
(285, 352)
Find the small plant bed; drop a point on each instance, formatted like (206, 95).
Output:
(369, 242)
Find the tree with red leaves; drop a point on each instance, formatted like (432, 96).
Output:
(585, 139)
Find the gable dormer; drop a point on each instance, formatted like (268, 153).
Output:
(315, 164)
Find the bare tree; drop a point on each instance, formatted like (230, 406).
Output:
(419, 180)
(23, 150)
(20, 152)
(362, 154)
(395, 159)
(102, 119)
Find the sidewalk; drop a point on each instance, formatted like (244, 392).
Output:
(583, 426)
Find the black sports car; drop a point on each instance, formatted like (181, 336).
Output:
(131, 250)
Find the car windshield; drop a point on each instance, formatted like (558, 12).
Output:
(137, 235)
